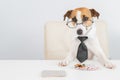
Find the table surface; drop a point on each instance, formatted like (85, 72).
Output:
(31, 70)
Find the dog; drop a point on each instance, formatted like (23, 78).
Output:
(84, 17)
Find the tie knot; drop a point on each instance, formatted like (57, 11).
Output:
(82, 38)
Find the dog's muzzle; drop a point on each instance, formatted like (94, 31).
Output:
(79, 31)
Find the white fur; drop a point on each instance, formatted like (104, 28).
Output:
(78, 17)
(92, 44)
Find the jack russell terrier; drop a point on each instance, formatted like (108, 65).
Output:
(82, 20)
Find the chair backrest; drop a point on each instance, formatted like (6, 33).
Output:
(58, 39)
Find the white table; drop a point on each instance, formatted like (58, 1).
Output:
(31, 70)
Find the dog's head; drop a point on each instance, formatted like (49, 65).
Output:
(81, 16)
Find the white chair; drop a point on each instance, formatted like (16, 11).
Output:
(58, 39)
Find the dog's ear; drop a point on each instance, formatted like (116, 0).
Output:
(94, 13)
(67, 14)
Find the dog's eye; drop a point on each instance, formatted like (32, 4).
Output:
(74, 19)
(84, 18)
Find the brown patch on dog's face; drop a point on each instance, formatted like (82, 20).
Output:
(94, 13)
(85, 13)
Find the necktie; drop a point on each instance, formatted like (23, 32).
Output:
(82, 53)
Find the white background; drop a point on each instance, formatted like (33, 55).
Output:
(22, 24)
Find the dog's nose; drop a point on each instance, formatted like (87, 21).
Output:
(79, 31)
